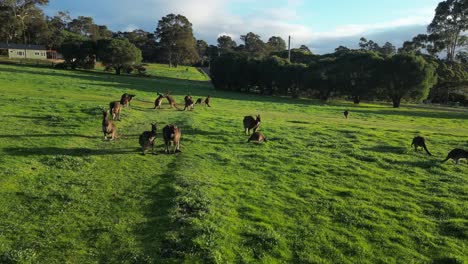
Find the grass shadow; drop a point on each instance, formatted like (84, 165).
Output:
(78, 152)
(388, 149)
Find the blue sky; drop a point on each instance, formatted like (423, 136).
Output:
(320, 24)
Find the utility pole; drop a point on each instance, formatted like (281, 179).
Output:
(289, 48)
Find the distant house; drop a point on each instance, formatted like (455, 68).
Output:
(21, 51)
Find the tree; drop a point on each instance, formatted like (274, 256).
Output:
(452, 82)
(253, 44)
(276, 44)
(448, 25)
(388, 49)
(119, 54)
(305, 48)
(370, 45)
(406, 76)
(225, 44)
(176, 39)
(79, 53)
(13, 17)
(143, 40)
(202, 47)
(355, 74)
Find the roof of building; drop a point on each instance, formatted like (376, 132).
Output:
(21, 46)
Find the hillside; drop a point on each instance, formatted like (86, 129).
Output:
(323, 189)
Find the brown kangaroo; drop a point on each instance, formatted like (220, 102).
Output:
(115, 108)
(456, 155)
(172, 133)
(171, 100)
(158, 101)
(108, 127)
(188, 102)
(147, 139)
(251, 123)
(199, 101)
(420, 142)
(257, 137)
(346, 113)
(207, 101)
(125, 99)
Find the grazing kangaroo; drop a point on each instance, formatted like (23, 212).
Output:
(420, 142)
(147, 139)
(108, 128)
(257, 137)
(456, 155)
(251, 123)
(172, 133)
(115, 108)
(158, 101)
(171, 100)
(346, 113)
(125, 99)
(188, 102)
(199, 101)
(207, 101)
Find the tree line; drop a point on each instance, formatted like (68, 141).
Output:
(371, 72)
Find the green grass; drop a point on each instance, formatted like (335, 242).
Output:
(323, 190)
(163, 71)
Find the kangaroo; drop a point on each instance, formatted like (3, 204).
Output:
(199, 101)
(147, 139)
(257, 137)
(251, 123)
(158, 101)
(115, 108)
(346, 113)
(171, 100)
(420, 142)
(172, 133)
(456, 155)
(108, 127)
(207, 101)
(125, 99)
(188, 102)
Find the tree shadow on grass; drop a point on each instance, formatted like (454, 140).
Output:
(154, 231)
(78, 152)
(461, 114)
(49, 135)
(388, 149)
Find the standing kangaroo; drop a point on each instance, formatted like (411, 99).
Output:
(147, 139)
(108, 128)
(456, 155)
(171, 100)
(207, 101)
(115, 108)
(158, 101)
(172, 133)
(251, 123)
(346, 113)
(125, 99)
(420, 142)
(188, 102)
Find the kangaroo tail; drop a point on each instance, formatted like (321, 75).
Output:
(445, 159)
(425, 148)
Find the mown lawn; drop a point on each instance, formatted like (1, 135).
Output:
(323, 189)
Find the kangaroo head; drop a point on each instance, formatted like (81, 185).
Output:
(153, 126)
(258, 118)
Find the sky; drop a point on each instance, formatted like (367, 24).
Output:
(322, 25)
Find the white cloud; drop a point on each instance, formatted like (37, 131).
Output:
(211, 18)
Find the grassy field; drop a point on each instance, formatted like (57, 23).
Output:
(163, 71)
(323, 190)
